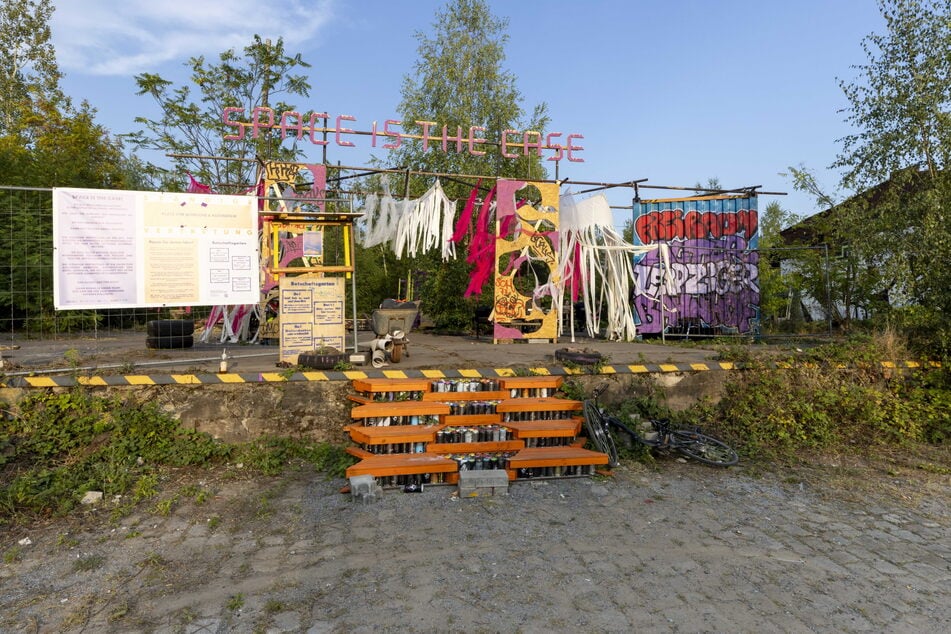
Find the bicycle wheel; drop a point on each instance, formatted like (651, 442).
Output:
(599, 434)
(703, 448)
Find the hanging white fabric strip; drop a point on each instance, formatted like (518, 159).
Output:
(426, 223)
(410, 226)
(380, 225)
(604, 265)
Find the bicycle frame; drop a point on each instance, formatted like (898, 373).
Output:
(689, 442)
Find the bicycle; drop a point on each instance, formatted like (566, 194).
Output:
(596, 425)
(662, 437)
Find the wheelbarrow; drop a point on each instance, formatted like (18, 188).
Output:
(391, 325)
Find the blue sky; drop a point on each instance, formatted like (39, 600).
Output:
(676, 91)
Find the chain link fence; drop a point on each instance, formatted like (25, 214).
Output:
(26, 275)
(786, 305)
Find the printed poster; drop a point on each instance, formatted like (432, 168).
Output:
(125, 249)
(312, 314)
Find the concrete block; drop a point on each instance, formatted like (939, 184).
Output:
(92, 497)
(365, 488)
(488, 482)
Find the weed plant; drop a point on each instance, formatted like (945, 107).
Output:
(832, 398)
(59, 445)
(835, 397)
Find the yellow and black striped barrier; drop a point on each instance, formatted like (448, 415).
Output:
(349, 375)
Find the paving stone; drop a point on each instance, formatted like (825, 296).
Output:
(544, 558)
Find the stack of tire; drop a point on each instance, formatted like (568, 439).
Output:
(579, 356)
(169, 334)
(324, 359)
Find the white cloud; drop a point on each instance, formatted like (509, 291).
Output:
(126, 37)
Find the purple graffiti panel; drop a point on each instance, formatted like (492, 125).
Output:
(715, 282)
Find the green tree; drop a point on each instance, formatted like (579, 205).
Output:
(262, 77)
(44, 142)
(829, 270)
(29, 74)
(459, 80)
(774, 285)
(713, 184)
(900, 109)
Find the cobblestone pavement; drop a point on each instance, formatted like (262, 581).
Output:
(678, 548)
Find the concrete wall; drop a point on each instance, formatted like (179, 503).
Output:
(320, 409)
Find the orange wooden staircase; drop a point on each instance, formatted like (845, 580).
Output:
(426, 430)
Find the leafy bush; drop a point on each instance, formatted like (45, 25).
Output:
(272, 454)
(61, 445)
(775, 413)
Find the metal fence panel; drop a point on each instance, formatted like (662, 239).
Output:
(26, 276)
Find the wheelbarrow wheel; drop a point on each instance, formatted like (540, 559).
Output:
(396, 354)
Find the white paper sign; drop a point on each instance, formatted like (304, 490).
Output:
(122, 249)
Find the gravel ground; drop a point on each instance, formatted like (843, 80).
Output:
(676, 547)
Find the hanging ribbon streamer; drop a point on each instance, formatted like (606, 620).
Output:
(411, 226)
(381, 217)
(465, 219)
(592, 252)
(482, 248)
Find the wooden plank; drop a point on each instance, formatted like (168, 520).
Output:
(402, 464)
(474, 447)
(518, 382)
(564, 428)
(469, 420)
(539, 405)
(556, 457)
(362, 400)
(389, 434)
(391, 385)
(399, 408)
(359, 452)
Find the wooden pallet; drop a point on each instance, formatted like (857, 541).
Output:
(556, 457)
(402, 464)
(510, 382)
(539, 404)
(563, 428)
(519, 396)
(475, 447)
(399, 408)
(392, 385)
(386, 435)
(486, 395)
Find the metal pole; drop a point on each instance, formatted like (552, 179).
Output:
(324, 153)
(825, 248)
(353, 290)
(663, 314)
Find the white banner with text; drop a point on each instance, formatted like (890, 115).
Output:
(128, 249)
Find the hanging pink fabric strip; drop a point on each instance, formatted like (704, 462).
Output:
(505, 226)
(462, 225)
(506, 194)
(482, 249)
(515, 262)
(576, 280)
(194, 187)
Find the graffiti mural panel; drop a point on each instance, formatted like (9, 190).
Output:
(526, 265)
(713, 264)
